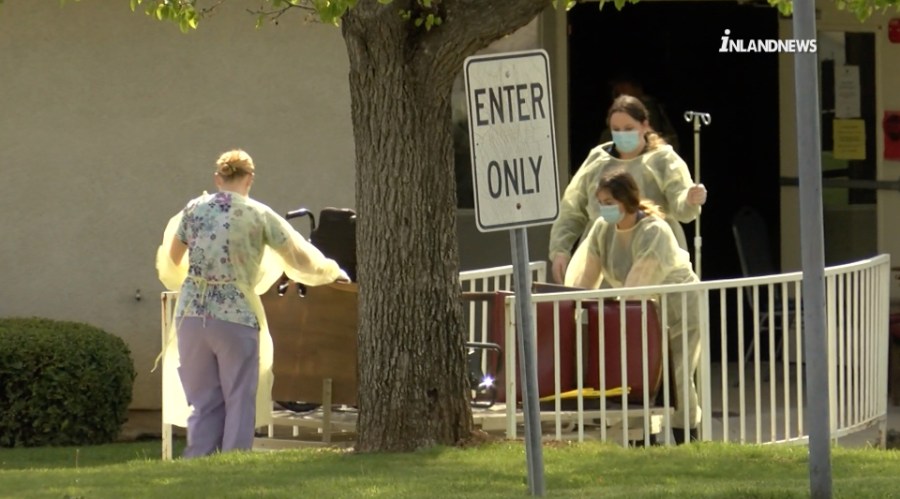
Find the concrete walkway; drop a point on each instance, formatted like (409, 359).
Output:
(147, 425)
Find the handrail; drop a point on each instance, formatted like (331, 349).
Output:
(858, 296)
(857, 327)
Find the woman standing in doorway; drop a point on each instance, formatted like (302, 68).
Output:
(661, 175)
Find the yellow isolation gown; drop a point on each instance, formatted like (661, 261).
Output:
(262, 264)
(662, 177)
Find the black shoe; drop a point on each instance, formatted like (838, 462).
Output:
(679, 435)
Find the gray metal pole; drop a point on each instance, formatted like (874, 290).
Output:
(809, 157)
(698, 240)
(534, 453)
(697, 119)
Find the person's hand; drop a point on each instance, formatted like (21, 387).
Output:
(558, 268)
(343, 277)
(696, 195)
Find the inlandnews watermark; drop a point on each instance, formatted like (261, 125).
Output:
(765, 45)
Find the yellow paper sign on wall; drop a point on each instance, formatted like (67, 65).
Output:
(849, 139)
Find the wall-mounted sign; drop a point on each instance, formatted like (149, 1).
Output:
(849, 139)
(894, 30)
(891, 126)
(846, 92)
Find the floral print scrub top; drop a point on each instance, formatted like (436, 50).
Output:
(238, 248)
(226, 234)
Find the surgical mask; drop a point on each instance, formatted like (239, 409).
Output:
(626, 141)
(611, 213)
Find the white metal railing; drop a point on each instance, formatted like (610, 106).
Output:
(498, 278)
(482, 280)
(491, 280)
(760, 398)
(167, 309)
(610, 411)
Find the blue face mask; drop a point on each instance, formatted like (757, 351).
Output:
(626, 141)
(611, 213)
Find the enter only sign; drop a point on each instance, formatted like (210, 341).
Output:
(512, 140)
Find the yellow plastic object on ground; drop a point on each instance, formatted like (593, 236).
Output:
(587, 393)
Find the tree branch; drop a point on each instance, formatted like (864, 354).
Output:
(208, 10)
(485, 21)
(274, 14)
(469, 26)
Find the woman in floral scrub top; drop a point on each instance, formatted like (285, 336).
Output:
(223, 345)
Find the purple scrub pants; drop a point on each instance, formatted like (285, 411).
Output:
(220, 373)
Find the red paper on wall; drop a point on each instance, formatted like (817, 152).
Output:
(891, 126)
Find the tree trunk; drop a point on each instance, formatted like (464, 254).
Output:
(413, 387)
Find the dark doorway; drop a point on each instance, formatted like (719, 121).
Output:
(673, 48)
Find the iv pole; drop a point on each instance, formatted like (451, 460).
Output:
(697, 118)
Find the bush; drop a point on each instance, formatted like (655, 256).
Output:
(61, 383)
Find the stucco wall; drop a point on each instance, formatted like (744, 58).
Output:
(110, 121)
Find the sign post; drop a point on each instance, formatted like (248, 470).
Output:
(815, 334)
(513, 144)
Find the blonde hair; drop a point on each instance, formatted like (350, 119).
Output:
(234, 164)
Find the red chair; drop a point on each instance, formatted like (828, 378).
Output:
(612, 348)
(567, 346)
(543, 347)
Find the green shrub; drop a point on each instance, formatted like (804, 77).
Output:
(61, 383)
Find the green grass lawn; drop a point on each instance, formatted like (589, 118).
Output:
(134, 470)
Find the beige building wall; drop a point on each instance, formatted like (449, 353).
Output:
(854, 226)
(110, 121)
